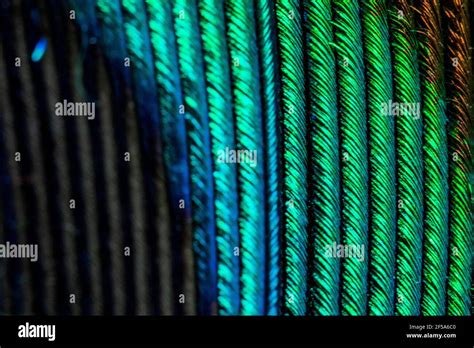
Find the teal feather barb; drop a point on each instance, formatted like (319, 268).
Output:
(293, 131)
(409, 161)
(459, 86)
(353, 117)
(242, 43)
(435, 158)
(324, 168)
(266, 31)
(381, 158)
(173, 133)
(221, 126)
(192, 75)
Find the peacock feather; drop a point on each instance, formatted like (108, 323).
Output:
(245, 157)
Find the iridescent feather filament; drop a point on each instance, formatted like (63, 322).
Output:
(409, 131)
(270, 110)
(324, 206)
(293, 130)
(435, 158)
(139, 50)
(173, 130)
(353, 117)
(382, 158)
(459, 84)
(191, 65)
(242, 43)
(219, 92)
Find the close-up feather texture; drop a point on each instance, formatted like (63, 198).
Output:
(409, 156)
(236, 157)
